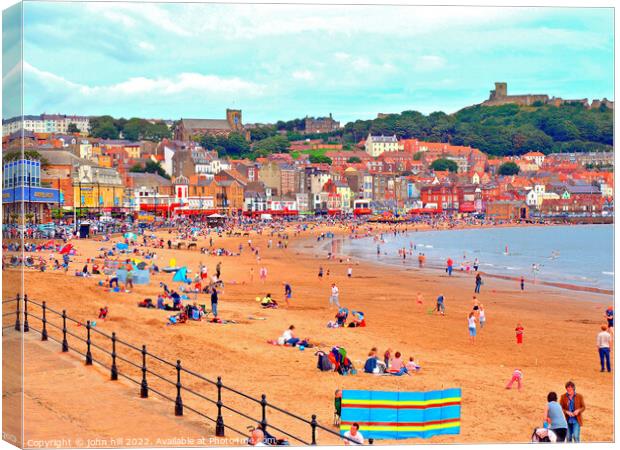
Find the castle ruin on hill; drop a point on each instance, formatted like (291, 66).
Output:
(499, 96)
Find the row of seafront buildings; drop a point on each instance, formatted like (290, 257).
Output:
(94, 176)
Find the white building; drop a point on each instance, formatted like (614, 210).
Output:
(376, 145)
(45, 123)
(535, 157)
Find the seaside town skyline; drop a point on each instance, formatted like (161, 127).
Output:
(285, 61)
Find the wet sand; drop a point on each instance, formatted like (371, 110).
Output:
(559, 344)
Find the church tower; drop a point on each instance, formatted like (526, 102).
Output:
(233, 117)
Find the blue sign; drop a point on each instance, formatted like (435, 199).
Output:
(30, 194)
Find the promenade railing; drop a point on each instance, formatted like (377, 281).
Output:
(226, 407)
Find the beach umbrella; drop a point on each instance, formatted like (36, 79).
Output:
(121, 246)
(131, 236)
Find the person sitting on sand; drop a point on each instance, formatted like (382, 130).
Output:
(412, 366)
(396, 363)
(371, 363)
(288, 337)
(268, 302)
(146, 303)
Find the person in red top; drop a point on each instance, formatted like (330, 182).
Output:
(519, 333)
(449, 264)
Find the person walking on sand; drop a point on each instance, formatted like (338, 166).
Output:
(333, 299)
(262, 273)
(603, 341)
(609, 315)
(218, 269)
(471, 324)
(449, 264)
(288, 293)
(522, 283)
(478, 283)
(350, 272)
(519, 333)
(573, 405)
(482, 318)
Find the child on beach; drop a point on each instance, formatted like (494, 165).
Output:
(517, 376)
(519, 333)
(481, 316)
(471, 324)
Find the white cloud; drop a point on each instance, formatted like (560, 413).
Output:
(146, 46)
(181, 87)
(429, 63)
(305, 75)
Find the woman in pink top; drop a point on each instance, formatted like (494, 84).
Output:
(396, 363)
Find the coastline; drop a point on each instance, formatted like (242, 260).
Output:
(395, 262)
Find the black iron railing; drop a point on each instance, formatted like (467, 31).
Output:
(148, 371)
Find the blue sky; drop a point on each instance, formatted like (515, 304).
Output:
(281, 62)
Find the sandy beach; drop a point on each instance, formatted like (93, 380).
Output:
(559, 344)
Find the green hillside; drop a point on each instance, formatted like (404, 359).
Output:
(501, 130)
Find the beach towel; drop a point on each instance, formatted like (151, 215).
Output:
(121, 246)
(66, 249)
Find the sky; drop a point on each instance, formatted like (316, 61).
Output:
(279, 62)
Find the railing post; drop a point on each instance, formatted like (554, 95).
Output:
(113, 370)
(89, 356)
(178, 404)
(65, 344)
(44, 320)
(263, 404)
(144, 387)
(219, 422)
(18, 326)
(313, 425)
(26, 326)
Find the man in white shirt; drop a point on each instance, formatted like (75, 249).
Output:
(333, 299)
(603, 341)
(354, 436)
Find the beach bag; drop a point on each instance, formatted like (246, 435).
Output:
(323, 363)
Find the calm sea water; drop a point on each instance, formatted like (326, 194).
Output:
(581, 255)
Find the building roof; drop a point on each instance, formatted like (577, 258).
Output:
(206, 124)
(148, 179)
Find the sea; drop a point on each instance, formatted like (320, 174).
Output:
(580, 255)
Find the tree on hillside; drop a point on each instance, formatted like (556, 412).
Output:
(320, 159)
(150, 167)
(274, 144)
(354, 160)
(443, 164)
(509, 168)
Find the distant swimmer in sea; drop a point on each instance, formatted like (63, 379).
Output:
(506, 250)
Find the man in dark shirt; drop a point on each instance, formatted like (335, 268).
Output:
(214, 300)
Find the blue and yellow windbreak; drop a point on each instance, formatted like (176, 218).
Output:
(402, 415)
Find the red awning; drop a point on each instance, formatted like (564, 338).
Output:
(362, 211)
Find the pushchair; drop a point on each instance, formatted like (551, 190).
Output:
(543, 435)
